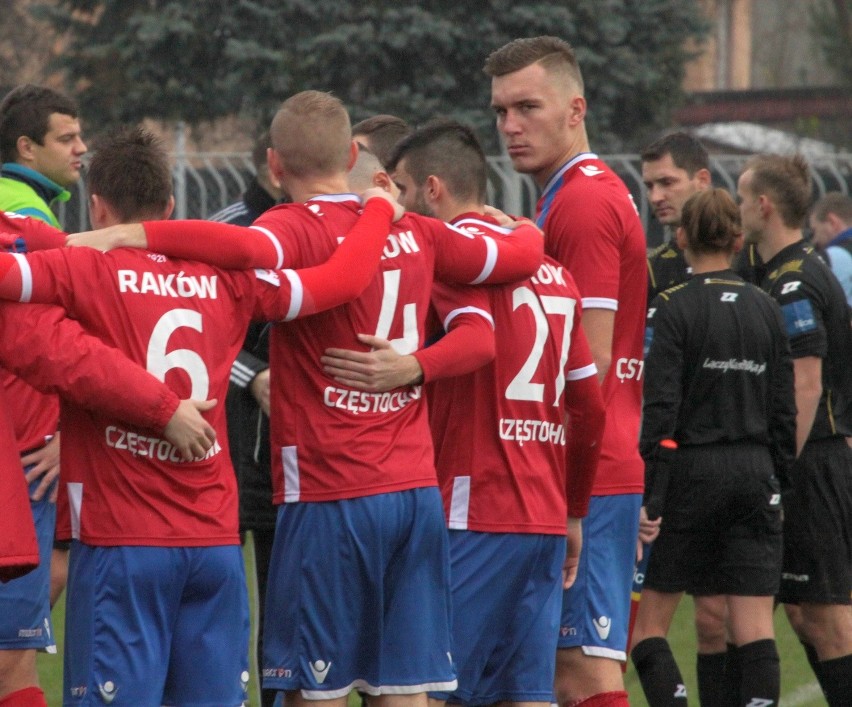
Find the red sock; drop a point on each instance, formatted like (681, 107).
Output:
(28, 697)
(617, 698)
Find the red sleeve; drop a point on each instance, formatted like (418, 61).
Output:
(24, 234)
(473, 259)
(18, 546)
(586, 417)
(234, 247)
(55, 355)
(349, 270)
(469, 343)
(220, 244)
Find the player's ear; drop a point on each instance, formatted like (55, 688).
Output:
(99, 211)
(353, 155)
(170, 207)
(382, 180)
(273, 163)
(433, 188)
(680, 238)
(576, 110)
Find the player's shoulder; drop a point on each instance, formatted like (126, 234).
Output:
(664, 251)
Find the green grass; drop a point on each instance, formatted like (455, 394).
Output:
(796, 674)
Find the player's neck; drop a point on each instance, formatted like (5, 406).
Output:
(708, 262)
(305, 189)
(451, 211)
(578, 145)
(776, 239)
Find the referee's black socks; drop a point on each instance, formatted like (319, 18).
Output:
(658, 672)
(761, 673)
(710, 669)
(837, 680)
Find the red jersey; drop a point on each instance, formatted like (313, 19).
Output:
(592, 227)
(499, 433)
(185, 322)
(34, 415)
(330, 442)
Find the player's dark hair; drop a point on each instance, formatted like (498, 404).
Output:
(552, 53)
(130, 171)
(711, 221)
(786, 180)
(26, 111)
(686, 152)
(384, 132)
(834, 202)
(449, 150)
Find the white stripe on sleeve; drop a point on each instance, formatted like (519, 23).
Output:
(297, 294)
(278, 249)
(490, 260)
(26, 277)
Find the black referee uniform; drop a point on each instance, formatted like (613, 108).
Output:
(818, 505)
(719, 382)
(667, 267)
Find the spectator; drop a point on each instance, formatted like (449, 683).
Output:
(831, 226)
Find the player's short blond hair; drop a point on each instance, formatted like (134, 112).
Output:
(311, 134)
(554, 54)
(786, 180)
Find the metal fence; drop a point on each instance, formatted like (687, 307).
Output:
(207, 182)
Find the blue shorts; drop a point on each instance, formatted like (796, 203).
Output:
(150, 626)
(507, 594)
(358, 597)
(25, 601)
(596, 609)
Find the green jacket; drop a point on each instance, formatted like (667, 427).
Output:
(25, 191)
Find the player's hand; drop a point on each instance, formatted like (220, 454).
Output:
(573, 546)
(190, 433)
(260, 390)
(130, 235)
(507, 221)
(378, 192)
(376, 371)
(45, 463)
(648, 529)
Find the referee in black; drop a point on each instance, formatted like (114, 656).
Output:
(775, 193)
(718, 434)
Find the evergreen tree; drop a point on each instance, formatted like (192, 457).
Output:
(196, 61)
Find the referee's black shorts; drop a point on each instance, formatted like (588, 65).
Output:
(721, 527)
(818, 526)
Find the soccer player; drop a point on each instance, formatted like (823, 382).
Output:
(718, 435)
(41, 148)
(146, 519)
(591, 227)
(52, 352)
(361, 513)
(775, 193)
(380, 134)
(500, 442)
(674, 168)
